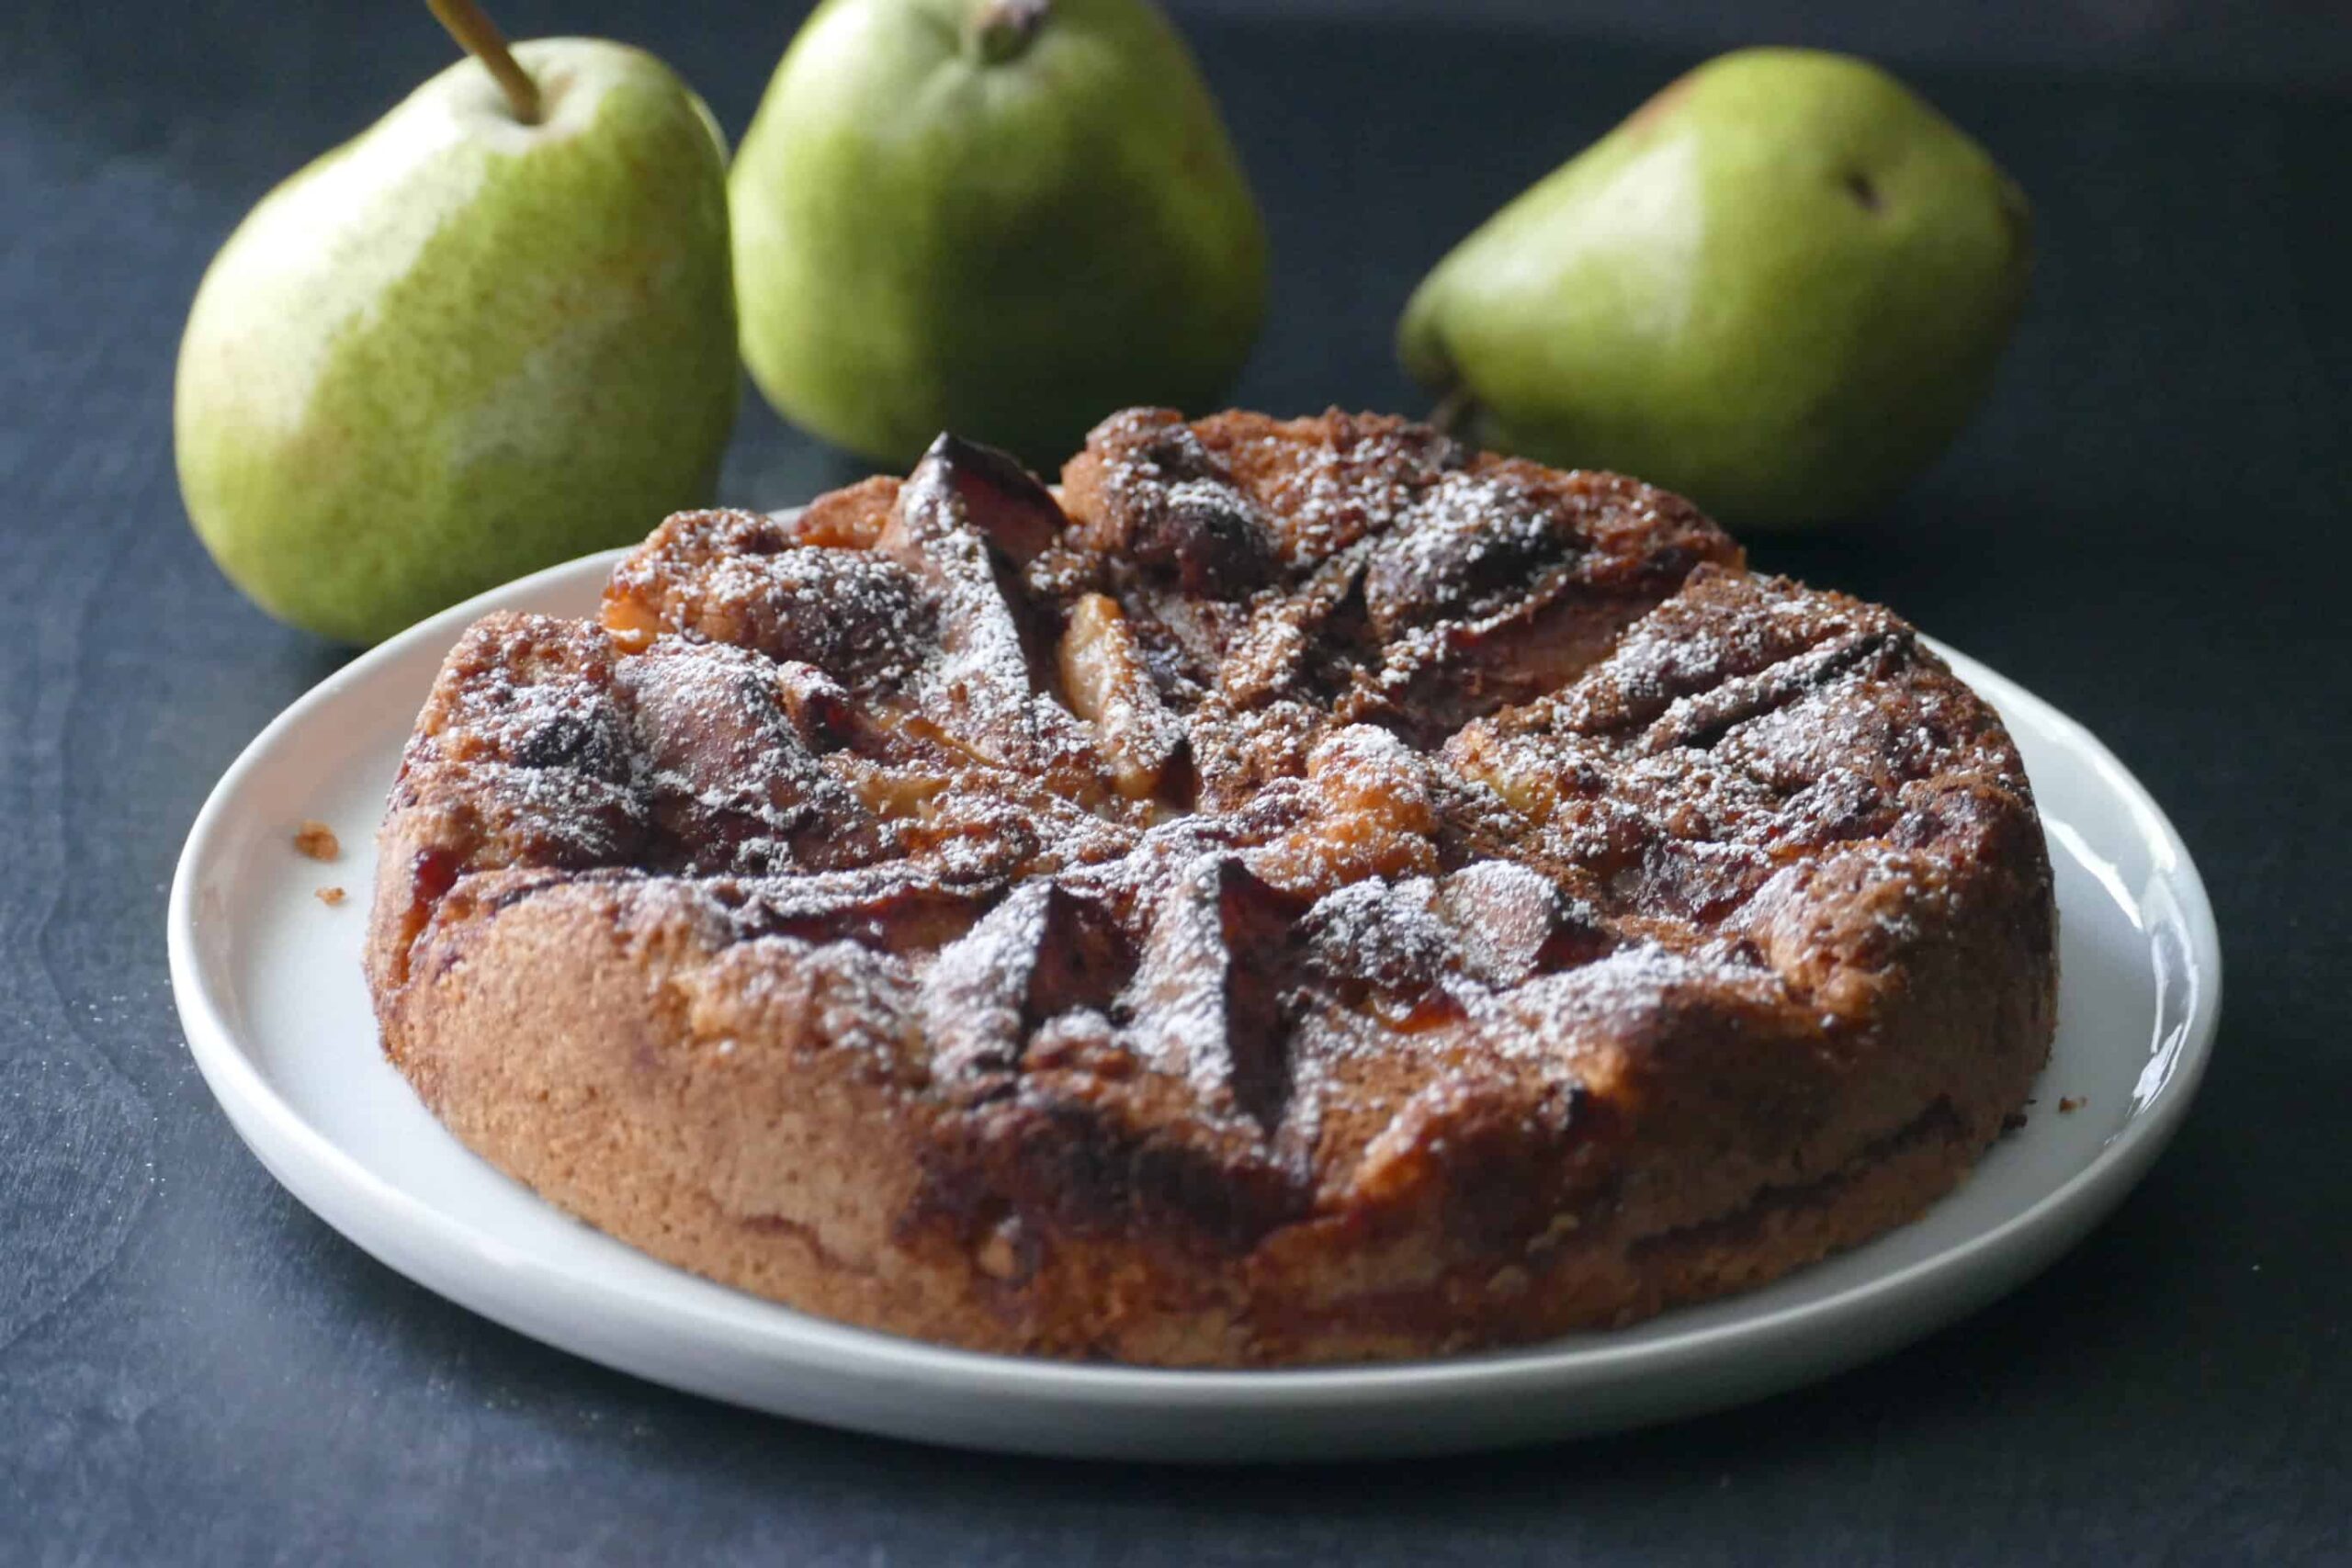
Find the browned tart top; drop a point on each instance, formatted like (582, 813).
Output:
(1288, 816)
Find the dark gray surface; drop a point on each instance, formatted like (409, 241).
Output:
(2274, 41)
(2146, 527)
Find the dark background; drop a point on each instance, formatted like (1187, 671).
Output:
(2145, 525)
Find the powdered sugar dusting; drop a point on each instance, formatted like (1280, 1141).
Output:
(872, 755)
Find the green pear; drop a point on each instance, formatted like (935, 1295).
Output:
(463, 346)
(1780, 287)
(1005, 217)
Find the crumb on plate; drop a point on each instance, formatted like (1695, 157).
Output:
(317, 840)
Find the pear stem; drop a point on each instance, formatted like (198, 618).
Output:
(997, 30)
(1455, 410)
(480, 36)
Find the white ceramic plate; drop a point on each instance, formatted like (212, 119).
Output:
(268, 985)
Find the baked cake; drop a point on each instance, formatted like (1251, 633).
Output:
(1300, 892)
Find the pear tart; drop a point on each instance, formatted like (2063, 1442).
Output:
(1302, 891)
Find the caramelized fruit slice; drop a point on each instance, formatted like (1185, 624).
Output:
(978, 689)
(1206, 1003)
(1148, 490)
(731, 780)
(1041, 953)
(1102, 670)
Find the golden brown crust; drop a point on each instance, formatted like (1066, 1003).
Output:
(1310, 893)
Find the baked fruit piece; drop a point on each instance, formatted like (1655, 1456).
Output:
(1307, 892)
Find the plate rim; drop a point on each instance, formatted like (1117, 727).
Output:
(334, 1185)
